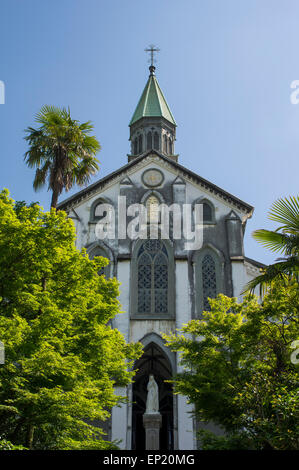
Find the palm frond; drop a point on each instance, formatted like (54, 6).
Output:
(61, 149)
(284, 269)
(286, 212)
(41, 176)
(274, 241)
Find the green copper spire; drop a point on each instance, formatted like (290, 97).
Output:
(152, 102)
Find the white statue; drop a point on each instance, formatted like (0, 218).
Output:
(152, 401)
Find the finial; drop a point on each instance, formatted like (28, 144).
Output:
(152, 49)
(152, 69)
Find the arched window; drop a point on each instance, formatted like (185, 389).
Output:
(208, 278)
(140, 144)
(149, 141)
(153, 284)
(207, 212)
(170, 146)
(135, 146)
(165, 143)
(99, 209)
(156, 141)
(152, 207)
(98, 212)
(98, 251)
(152, 278)
(209, 283)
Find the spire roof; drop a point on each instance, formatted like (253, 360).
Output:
(152, 102)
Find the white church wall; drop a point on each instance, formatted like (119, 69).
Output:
(242, 273)
(183, 315)
(119, 420)
(122, 320)
(141, 328)
(238, 277)
(222, 209)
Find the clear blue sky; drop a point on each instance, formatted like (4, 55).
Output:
(225, 68)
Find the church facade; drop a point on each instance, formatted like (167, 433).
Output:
(163, 282)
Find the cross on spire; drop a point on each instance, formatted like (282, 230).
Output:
(152, 49)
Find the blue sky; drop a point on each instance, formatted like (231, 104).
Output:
(225, 68)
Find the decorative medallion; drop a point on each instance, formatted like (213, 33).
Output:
(152, 177)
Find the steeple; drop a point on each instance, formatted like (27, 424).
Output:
(152, 125)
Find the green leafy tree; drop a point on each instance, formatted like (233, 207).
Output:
(62, 357)
(284, 240)
(238, 369)
(62, 151)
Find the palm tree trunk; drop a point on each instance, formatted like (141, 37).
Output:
(54, 199)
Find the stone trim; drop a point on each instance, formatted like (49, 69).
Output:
(141, 161)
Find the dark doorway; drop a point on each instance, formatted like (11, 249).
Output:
(153, 361)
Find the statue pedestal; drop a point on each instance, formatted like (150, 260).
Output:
(152, 423)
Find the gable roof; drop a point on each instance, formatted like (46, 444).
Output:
(152, 103)
(190, 175)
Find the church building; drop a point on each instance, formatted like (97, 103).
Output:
(163, 284)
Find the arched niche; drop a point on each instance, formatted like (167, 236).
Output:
(156, 362)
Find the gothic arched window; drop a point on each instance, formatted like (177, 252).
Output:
(149, 141)
(152, 277)
(156, 141)
(170, 146)
(208, 278)
(207, 212)
(135, 146)
(153, 283)
(100, 209)
(152, 207)
(165, 143)
(140, 144)
(209, 283)
(98, 251)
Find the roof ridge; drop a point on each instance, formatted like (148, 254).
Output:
(165, 101)
(147, 88)
(157, 89)
(207, 184)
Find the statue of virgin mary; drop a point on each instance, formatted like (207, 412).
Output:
(152, 401)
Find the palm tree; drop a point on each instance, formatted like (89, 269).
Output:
(285, 239)
(62, 151)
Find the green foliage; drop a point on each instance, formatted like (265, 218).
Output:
(62, 151)
(285, 240)
(7, 445)
(238, 369)
(62, 358)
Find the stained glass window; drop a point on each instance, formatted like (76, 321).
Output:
(152, 277)
(209, 283)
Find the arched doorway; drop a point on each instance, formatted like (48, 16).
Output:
(153, 361)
